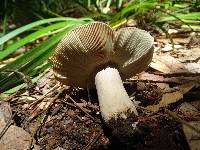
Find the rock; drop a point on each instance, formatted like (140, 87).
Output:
(193, 67)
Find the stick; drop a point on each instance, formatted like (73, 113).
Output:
(67, 96)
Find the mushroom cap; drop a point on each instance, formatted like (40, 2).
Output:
(90, 48)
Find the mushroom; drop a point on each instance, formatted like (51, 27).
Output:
(95, 54)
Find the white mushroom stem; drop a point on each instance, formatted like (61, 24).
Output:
(113, 100)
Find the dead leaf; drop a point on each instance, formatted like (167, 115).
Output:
(192, 136)
(163, 86)
(196, 104)
(167, 48)
(172, 31)
(188, 55)
(45, 79)
(39, 108)
(176, 40)
(148, 77)
(167, 64)
(5, 112)
(15, 138)
(189, 111)
(169, 98)
(193, 67)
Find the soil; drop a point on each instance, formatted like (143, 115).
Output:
(67, 124)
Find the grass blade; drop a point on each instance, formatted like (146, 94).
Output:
(30, 38)
(35, 24)
(189, 16)
(29, 62)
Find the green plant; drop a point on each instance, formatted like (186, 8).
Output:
(33, 62)
(155, 13)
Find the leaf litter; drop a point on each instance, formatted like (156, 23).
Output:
(52, 116)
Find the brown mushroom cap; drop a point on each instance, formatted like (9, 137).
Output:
(89, 48)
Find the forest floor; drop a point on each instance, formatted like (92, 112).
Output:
(51, 116)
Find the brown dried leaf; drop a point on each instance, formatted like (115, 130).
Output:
(188, 54)
(193, 67)
(193, 137)
(196, 104)
(15, 138)
(169, 98)
(189, 111)
(167, 64)
(148, 76)
(159, 78)
(59, 148)
(38, 109)
(176, 40)
(5, 112)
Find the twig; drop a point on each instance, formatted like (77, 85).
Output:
(51, 102)
(94, 140)
(46, 112)
(68, 97)
(175, 116)
(178, 74)
(43, 96)
(153, 81)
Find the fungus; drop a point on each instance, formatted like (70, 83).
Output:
(96, 55)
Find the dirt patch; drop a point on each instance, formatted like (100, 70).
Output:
(78, 125)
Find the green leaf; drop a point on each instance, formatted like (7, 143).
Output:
(189, 16)
(35, 52)
(194, 27)
(30, 38)
(137, 8)
(21, 86)
(35, 24)
(29, 62)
